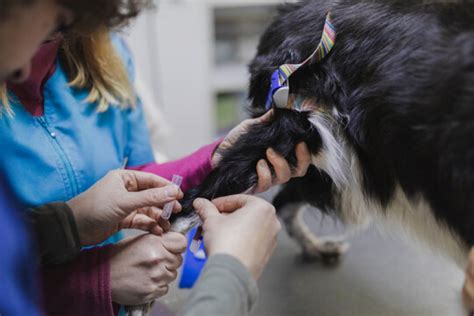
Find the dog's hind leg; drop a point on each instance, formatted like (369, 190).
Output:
(292, 201)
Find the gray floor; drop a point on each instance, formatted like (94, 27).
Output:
(379, 276)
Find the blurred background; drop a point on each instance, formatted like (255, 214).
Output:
(191, 58)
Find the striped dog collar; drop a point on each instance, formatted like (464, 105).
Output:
(279, 94)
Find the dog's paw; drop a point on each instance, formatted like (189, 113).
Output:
(328, 251)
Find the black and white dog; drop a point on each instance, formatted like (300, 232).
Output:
(388, 117)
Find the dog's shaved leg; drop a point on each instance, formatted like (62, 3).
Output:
(328, 249)
(139, 310)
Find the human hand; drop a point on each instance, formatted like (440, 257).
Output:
(283, 171)
(123, 199)
(242, 226)
(468, 291)
(142, 267)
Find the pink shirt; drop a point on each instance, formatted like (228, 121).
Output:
(193, 168)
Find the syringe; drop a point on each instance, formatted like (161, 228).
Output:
(168, 208)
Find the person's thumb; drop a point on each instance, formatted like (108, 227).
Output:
(151, 197)
(265, 117)
(205, 209)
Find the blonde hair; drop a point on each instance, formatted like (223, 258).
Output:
(91, 62)
(5, 101)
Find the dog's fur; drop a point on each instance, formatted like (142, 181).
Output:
(389, 119)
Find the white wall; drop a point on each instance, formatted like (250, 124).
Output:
(173, 48)
(173, 55)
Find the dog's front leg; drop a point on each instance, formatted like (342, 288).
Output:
(291, 203)
(328, 249)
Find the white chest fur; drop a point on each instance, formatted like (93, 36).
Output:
(414, 216)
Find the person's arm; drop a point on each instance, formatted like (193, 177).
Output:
(134, 271)
(239, 246)
(57, 238)
(193, 168)
(80, 287)
(225, 287)
(122, 199)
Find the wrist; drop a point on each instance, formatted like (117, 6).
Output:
(243, 260)
(77, 213)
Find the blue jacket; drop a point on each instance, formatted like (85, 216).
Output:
(62, 153)
(18, 286)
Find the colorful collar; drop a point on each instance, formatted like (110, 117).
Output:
(279, 94)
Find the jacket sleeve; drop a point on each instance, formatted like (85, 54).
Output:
(80, 287)
(193, 168)
(74, 282)
(225, 287)
(57, 238)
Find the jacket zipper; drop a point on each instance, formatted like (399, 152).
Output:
(62, 155)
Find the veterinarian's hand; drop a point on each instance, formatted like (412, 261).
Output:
(242, 226)
(142, 267)
(123, 199)
(468, 292)
(283, 171)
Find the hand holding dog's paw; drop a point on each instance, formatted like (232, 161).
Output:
(468, 291)
(283, 171)
(142, 267)
(232, 137)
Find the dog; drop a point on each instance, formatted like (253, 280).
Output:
(387, 116)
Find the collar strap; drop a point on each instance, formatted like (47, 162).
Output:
(279, 93)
